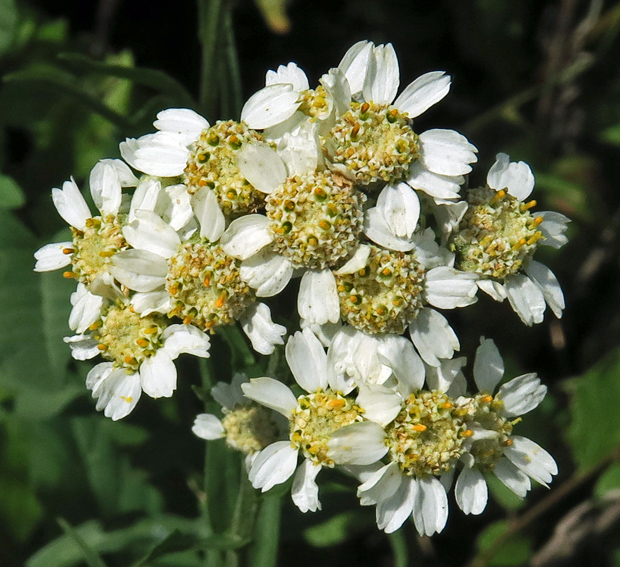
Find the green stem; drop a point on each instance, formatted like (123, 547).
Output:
(210, 15)
(399, 548)
(264, 552)
(234, 99)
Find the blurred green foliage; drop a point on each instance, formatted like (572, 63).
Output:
(538, 80)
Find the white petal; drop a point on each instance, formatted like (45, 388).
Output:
(430, 509)
(318, 300)
(355, 63)
(124, 174)
(377, 229)
(471, 491)
(261, 330)
(448, 288)
(158, 375)
(380, 404)
(230, 395)
(532, 459)
(446, 152)
(105, 188)
(442, 377)
(186, 339)
(182, 122)
(86, 309)
(174, 206)
(548, 284)
(521, 395)
(273, 465)
(398, 354)
(70, 205)
(207, 426)
(151, 302)
(246, 236)
(400, 208)
(338, 94)
(261, 166)
(423, 93)
(437, 186)
(392, 512)
(525, 298)
(380, 485)
(139, 270)
(271, 393)
(116, 391)
(361, 443)
(553, 228)
(270, 106)
(516, 177)
(145, 196)
(209, 215)
(162, 154)
(433, 337)
(83, 347)
(512, 477)
(305, 492)
(149, 232)
(495, 289)
(300, 151)
(488, 366)
(357, 261)
(307, 360)
(382, 78)
(290, 74)
(267, 272)
(51, 256)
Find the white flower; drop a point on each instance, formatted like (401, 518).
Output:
(316, 419)
(141, 351)
(95, 238)
(246, 426)
(373, 142)
(494, 449)
(498, 236)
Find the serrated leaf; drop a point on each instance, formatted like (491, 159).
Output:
(153, 78)
(339, 528)
(11, 195)
(596, 395)
(8, 24)
(515, 551)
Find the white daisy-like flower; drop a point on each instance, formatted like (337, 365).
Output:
(374, 144)
(140, 351)
(316, 419)
(247, 426)
(186, 146)
(193, 278)
(95, 238)
(513, 459)
(426, 437)
(497, 238)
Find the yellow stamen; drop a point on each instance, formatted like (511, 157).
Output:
(67, 251)
(419, 427)
(102, 347)
(106, 253)
(538, 220)
(142, 343)
(526, 206)
(486, 399)
(220, 300)
(519, 244)
(498, 196)
(467, 433)
(69, 275)
(151, 330)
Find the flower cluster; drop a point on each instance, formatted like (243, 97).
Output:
(332, 190)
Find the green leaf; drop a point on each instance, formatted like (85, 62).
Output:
(11, 195)
(515, 551)
(8, 24)
(176, 541)
(68, 85)
(608, 481)
(595, 395)
(339, 528)
(503, 495)
(20, 509)
(155, 79)
(91, 556)
(611, 135)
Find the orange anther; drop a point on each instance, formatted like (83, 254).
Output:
(67, 251)
(419, 427)
(467, 433)
(220, 300)
(69, 275)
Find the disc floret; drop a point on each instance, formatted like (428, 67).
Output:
(249, 428)
(498, 234)
(317, 416)
(94, 247)
(213, 163)
(126, 338)
(374, 143)
(385, 295)
(427, 437)
(314, 102)
(205, 285)
(316, 219)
